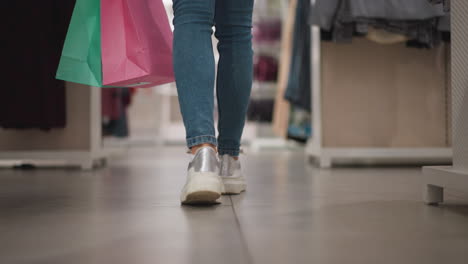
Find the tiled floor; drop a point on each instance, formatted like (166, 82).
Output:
(292, 213)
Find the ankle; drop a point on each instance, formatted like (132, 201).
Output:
(194, 149)
(231, 156)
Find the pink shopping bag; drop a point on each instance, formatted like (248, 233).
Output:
(136, 42)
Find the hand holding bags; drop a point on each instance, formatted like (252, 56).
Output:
(118, 43)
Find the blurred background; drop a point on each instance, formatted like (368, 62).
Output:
(353, 83)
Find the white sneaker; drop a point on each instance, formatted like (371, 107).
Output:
(231, 174)
(204, 186)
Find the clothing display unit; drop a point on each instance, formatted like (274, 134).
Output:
(44, 121)
(78, 144)
(376, 103)
(384, 115)
(456, 176)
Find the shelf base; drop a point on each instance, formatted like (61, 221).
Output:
(327, 157)
(85, 160)
(439, 177)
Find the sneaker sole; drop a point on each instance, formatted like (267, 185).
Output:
(234, 186)
(202, 197)
(205, 189)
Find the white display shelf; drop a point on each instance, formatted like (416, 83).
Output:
(454, 177)
(326, 157)
(438, 178)
(86, 157)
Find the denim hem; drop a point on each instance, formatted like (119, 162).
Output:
(230, 152)
(206, 139)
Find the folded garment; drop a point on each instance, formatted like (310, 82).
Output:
(384, 37)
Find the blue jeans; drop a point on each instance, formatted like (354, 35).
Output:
(194, 67)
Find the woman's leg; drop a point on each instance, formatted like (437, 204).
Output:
(233, 20)
(195, 74)
(194, 68)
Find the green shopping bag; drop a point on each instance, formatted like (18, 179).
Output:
(81, 54)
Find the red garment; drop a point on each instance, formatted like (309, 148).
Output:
(111, 103)
(265, 69)
(266, 31)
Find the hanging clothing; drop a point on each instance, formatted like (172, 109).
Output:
(34, 33)
(298, 91)
(325, 11)
(418, 20)
(403, 10)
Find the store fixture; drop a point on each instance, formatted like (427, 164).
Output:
(374, 103)
(456, 176)
(78, 144)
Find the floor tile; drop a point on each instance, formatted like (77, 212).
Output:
(119, 235)
(292, 212)
(356, 232)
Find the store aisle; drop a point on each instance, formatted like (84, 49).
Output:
(292, 213)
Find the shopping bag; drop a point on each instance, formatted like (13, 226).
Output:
(136, 43)
(81, 54)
